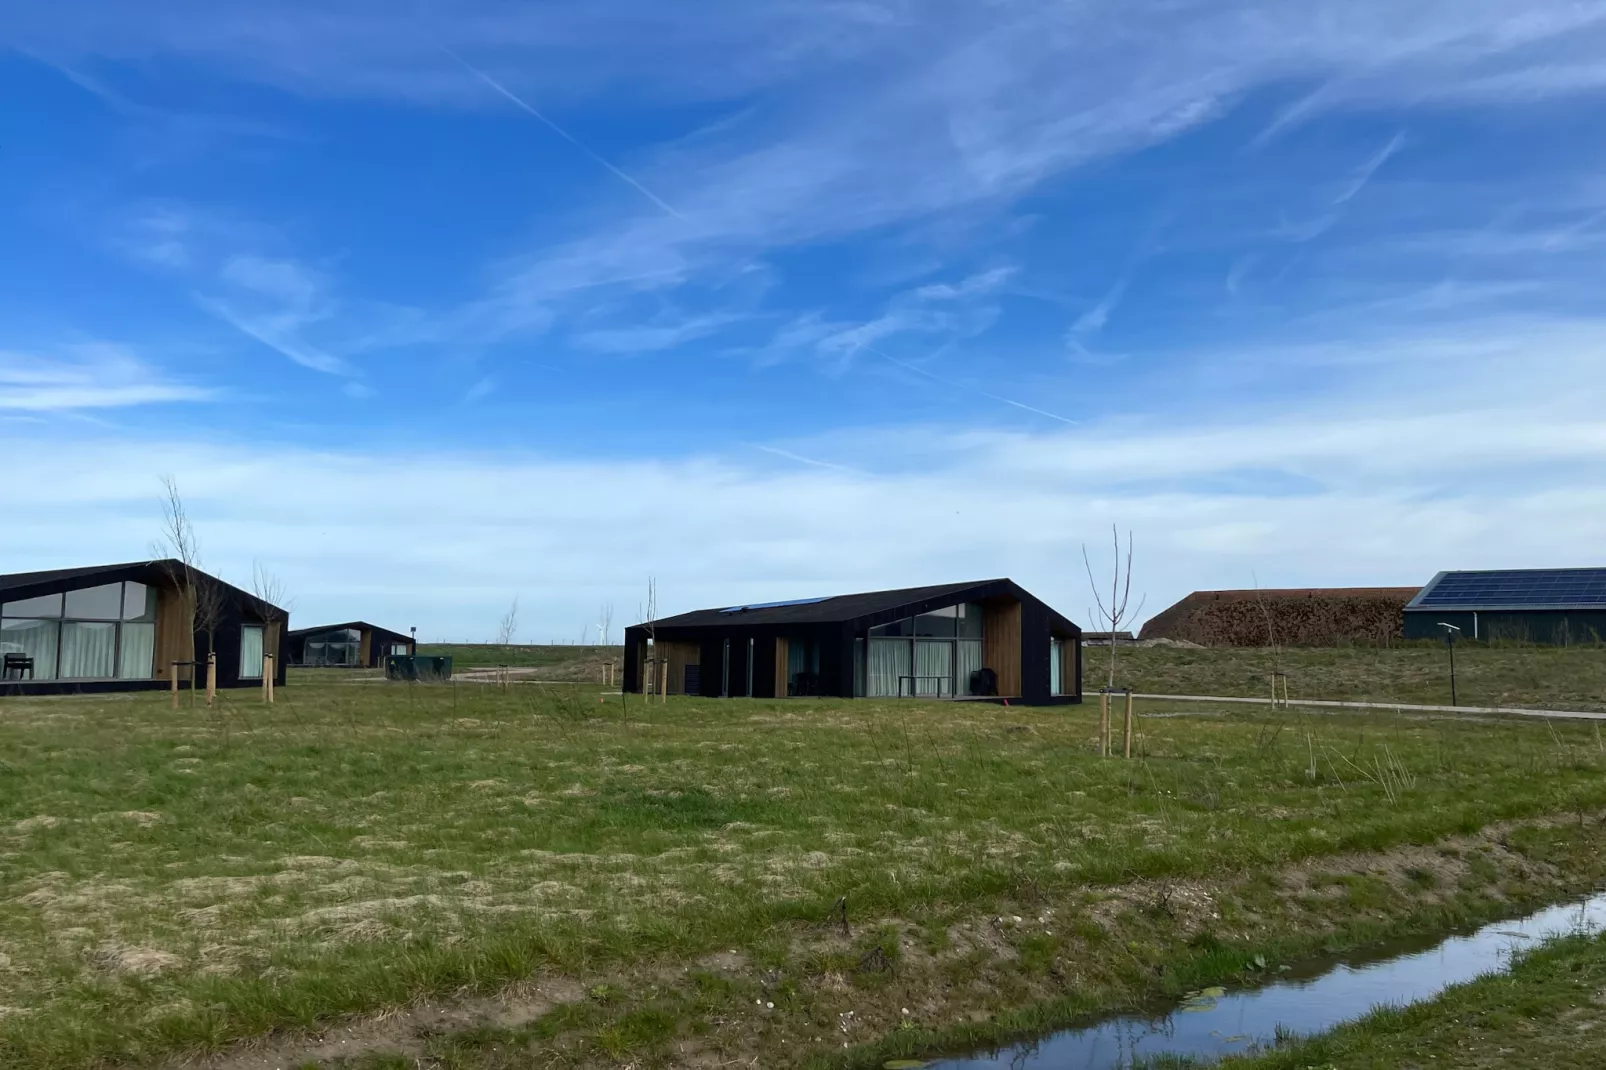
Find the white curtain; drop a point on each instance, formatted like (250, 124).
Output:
(137, 653)
(87, 649)
(34, 639)
(969, 654)
(889, 662)
(934, 659)
(1056, 667)
(250, 653)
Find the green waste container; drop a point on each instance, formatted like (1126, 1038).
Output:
(418, 668)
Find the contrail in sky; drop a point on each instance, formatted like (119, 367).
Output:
(956, 386)
(556, 129)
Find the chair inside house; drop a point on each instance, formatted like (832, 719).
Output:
(19, 664)
(984, 682)
(804, 683)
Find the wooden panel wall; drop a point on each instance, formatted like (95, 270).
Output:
(679, 655)
(782, 656)
(365, 647)
(175, 635)
(1000, 645)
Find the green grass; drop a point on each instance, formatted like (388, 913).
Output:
(557, 658)
(176, 879)
(1546, 1014)
(1565, 678)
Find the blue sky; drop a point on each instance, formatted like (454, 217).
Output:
(431, 306)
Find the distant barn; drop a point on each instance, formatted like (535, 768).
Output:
(1557, 606)
(1332, 616)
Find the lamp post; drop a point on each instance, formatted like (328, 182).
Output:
(1450, 632)
(414, 631)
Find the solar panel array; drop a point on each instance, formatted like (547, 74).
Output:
(775, 605)
(1517, 588)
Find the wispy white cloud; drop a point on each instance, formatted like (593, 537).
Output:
(87, 376)
(275, 300)
(1094, 319)
(652, 336)
(1361, 177)
(800, 459)
(1338, 490)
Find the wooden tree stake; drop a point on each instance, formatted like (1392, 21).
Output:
(1104, 724)
(1127, 741)
(211, 677)
(172, 670)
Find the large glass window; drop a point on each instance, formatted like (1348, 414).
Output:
(96, 603)
(890, 662)
(44, 606)
(336, 648)
(90, 643)
(35, 639)
(942, 649)
(136, 650)
(1056, 667)
(968, 659)
(802, 667)
(88, 650)
(251, 652)
(139, 602)
(934, 669)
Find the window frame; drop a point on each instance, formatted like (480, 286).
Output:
(62, 618)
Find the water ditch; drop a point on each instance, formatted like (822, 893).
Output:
(1308, 998)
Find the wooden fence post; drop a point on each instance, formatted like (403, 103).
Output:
(211, 677)
(267, 678)
(1127, 742)
(663, 680)
(172, 670)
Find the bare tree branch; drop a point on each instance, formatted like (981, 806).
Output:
(270, 588)
(1114, 613)
(200, 595)
(507, 629)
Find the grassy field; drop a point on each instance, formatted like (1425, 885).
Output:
(1418, 673)
(1547, 1014)
(1565, 678)
(558, 662)
(668, 883)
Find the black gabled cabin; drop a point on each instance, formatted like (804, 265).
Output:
(123, 628)
(354, 644)
(990, 639)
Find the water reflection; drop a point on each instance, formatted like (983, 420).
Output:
(1312, 998)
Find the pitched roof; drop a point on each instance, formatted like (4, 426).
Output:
(834, 609)
(347, 624)
(28, 579)
(1517, 589)
(19, 585)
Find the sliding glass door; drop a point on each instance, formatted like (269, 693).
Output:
(928, 656)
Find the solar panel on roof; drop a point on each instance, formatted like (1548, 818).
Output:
(1517, 588)
(775, 605)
